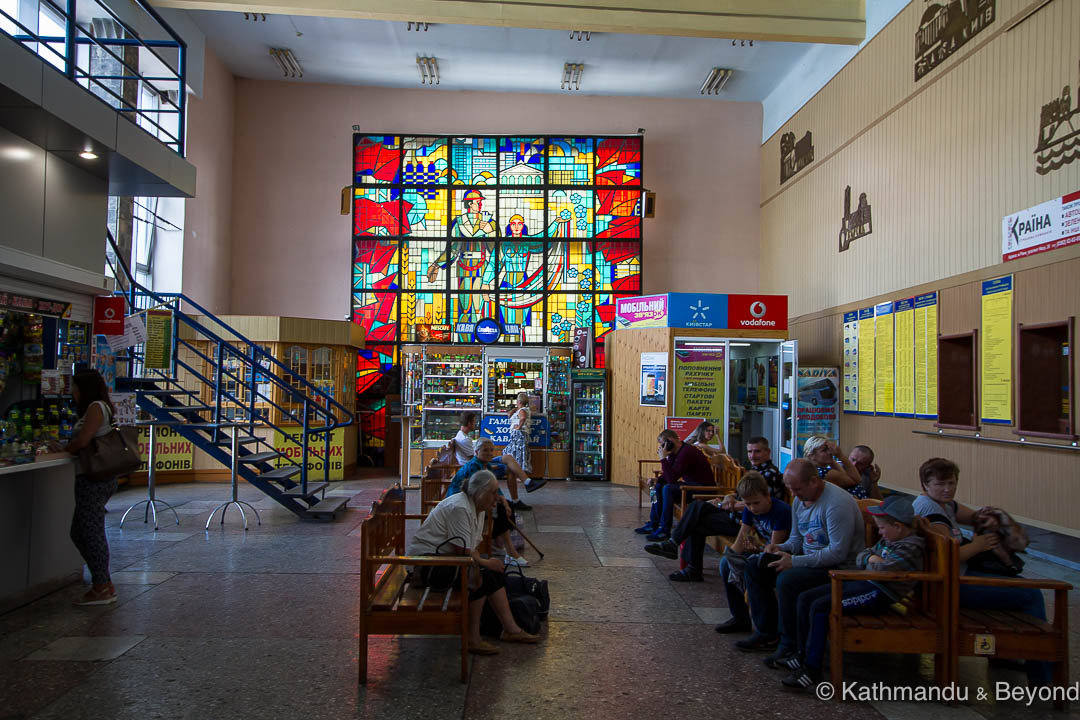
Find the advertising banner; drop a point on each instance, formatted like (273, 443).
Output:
(497, 427)
(757, 312)
(683, 426)
(290, 447)
(995, 392)
(108, 315)
(654, 379)
(818, 404)
(697, 310)
(172, 451)
(1047, 226)
(644, 311)
(700, 383)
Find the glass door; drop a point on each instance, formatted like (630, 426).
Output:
(789, 371)
(753, 407)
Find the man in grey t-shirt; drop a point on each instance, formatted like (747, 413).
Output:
(826, 533)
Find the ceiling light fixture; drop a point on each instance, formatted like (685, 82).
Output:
(580, 35)
(417, 26)
(715, 81)
(255, 17)
(429, 70)
(287, 62)
(571, 76)
(87, 155)
(742, 43)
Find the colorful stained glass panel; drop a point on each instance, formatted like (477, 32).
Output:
(425, 212)
(569, 266)
(425, 161)
(521, 161)
(376, 211)
(618, 267)
(525, 310)
(377, 313)
(472, 265)
(521, 215)
(618, 161)
(474, 214)
(426, 264)
(570, 161)
(469, 309)
(565, 312)
(618, 214)
(473, 161)
(570, 213)
(521, 266)
(377, 159)
(372, 363)
(422, 308)
(375, 264)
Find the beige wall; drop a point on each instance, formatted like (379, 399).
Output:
(291, 247)
(208, 217)
(941, 160)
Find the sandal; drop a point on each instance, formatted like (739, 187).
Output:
(483, 648)
(521, 637)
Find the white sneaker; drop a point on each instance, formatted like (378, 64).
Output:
(519, 561)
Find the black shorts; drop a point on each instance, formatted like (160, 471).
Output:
(441, 579)
(500, 523)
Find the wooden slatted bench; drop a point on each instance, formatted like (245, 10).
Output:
(1014, 635)
(925, 628)
(389, 603)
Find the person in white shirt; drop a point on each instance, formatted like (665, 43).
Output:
(456, 527)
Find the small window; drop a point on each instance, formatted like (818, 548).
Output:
(297, 357)
(957, 406)
(322, 375)
(1045, 380)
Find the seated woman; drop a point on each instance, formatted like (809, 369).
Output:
(939, 478)
(832, 465)
(703, 438)
(484, 459)
(456, 527)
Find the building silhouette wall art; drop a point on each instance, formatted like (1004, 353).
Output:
(945, 27)
(1058, 143)
(855, 223)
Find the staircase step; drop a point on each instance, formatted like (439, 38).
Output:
(166, 392)
(281, 473)
(260, 457)
(312, 488)
(245, 440)
(329, 508)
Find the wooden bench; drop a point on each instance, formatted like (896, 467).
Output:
(389, 603)
(437, 478)
(925, 627)
(1011, 634)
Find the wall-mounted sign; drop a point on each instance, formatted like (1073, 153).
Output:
(582, 356)
(497, 427)
(1059, 133)
(855, 223)
(654, 379)
(108, 315)
(703, 311)
(487, 331)
(24, 303)
(700, 383)
(641, 312)
(289, 446)
(945, 27)
(157, 353)
(757, 312)
(818, 396)
(697, 310)
(435, 333)
(172, 451)
(851, 361)
(794, 156)
(995, 346)
(1047, 226)
(682, 426)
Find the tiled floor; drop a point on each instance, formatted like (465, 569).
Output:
(262, 624)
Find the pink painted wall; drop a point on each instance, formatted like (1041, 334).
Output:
(291, 247)
(208, 217)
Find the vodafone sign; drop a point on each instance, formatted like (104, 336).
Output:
(757, 312)
(108, 315)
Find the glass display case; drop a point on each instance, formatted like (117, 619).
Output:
(558, 401)
(452, 382)
(589, 439)
(510, 372)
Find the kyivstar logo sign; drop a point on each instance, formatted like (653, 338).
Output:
(757, 312)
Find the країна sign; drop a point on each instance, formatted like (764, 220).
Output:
(1047, 226)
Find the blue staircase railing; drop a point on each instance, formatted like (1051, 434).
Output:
(319, 414)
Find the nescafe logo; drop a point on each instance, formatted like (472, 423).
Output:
(758, 309)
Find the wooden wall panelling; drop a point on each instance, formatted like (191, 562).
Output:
(633, 427)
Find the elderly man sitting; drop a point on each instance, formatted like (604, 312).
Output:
(456, 527)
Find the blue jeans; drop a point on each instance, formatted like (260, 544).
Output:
(735, 601)
(663, 509)
(776, 612)
(815, 604)
(1025, 600)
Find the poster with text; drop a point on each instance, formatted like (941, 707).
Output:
(157, 352)
(700, 384)
(995, 391)
(105, 361)
(682, 426)
(1047, 226)
(883, 359)
(818, 404)
(654, 379)
(904, 344)
(172, 451)
(866, 361)
(926, 367)
(289, 446)
(851, 361)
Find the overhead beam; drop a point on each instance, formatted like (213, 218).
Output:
(821, 21)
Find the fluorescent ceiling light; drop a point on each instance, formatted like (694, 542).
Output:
(571, 76)
(287, 62)
(429, 70)
(715, 81)
(87, 155)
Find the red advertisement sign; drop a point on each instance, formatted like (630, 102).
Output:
(108, 315)
(682, 425)
(757, 312)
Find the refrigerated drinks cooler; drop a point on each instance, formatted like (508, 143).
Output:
(589, 442)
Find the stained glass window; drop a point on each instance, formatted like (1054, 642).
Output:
(538, 233)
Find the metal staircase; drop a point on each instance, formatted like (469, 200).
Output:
(238, 376)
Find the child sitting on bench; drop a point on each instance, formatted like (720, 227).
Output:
(901, 549)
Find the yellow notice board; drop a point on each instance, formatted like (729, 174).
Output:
(289, 446)
(172, 451)
(866, 361)
(996, 351)
(904, 392)
(884, 372)
(931, 357)
(926, 369)
(699, 383)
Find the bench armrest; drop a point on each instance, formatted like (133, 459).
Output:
(698, 488)
(1015, 582)
(843, 575)
(429, 560)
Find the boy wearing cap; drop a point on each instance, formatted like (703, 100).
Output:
(899, 550)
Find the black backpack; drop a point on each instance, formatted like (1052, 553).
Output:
(518, 584)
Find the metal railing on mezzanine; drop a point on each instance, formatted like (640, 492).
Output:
(127, 56)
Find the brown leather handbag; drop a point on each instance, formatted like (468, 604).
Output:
(112, 454)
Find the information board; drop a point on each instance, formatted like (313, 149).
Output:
(866, 361)
(925, 347)
(904, 357)
(884, 376)
(851, 361)
(995, 351)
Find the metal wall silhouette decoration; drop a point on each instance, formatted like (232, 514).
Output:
(794, 156)
(945, 27)
(857, 224)
(1059, 133)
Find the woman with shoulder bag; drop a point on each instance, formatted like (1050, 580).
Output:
(96, 413)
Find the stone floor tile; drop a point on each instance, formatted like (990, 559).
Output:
(713, 615)
(255, 553)
(28, 687)
(638, 562)
(560, 529)
(162, 536)
(87, 649)
(134, 577)
(563, 550)
(614, 595)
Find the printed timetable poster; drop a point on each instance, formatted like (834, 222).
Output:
(851, 362)
(866, 361)
(884, 372)
(926, 365)
(996, 351)
(904, 390)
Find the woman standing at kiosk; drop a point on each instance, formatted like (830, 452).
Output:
(520, 422)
